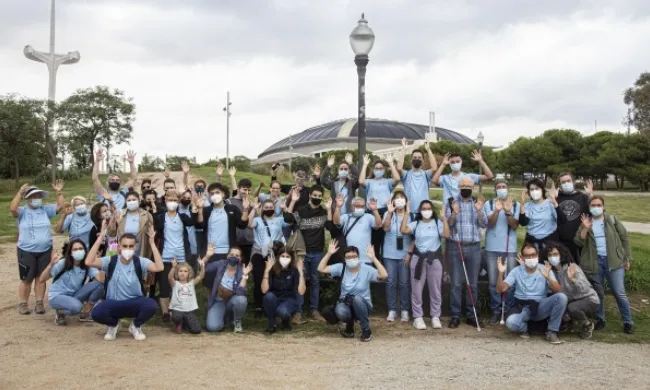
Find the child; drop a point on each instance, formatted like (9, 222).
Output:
(183, 303)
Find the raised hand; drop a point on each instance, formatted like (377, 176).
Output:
(99, 155)
(390, 206)
(232, 171)
(524, 196)
(501, 265)
(248, 269)
(330, 160)
(23, 188)
(348, 158)
(477, 156)
(366, 160)
(295, 195)
(199, 201)
(102, 233)
(589, 187)
(174, 262)
(370, 251)
(300, 264)
(390, 160)
(480, 201)
(427, 147)
(246, 203)
(546, 271)
(339, 200)
(130, 156)
(67, 209)
(520, 260)
(498, 205)
(255, 204)
(552, 193)
(270, 261)
(507, 205)
(445, 159)
(282, 204)
(219, 170)
(185, 167)
(328, 203)
(316, 170)
(571, 271)
(404, 143)
(167, 173)
(154, 183)
(105, 194)
(333, 248)
(58, 185)
(586, 221)
(54, 257)
(372, 204)
(455, 207)
(202, 263)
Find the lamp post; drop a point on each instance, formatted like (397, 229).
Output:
(228, 113)
(362, 39)
(480, 138)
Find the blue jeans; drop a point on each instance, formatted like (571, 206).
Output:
(312, 259)
(493, 273)
(110, 311)
(220, 311)
(397, 272)
(472, 256)
(90, 292)
(274, 306)
(361, 312)
(552, 307)
(616, 280)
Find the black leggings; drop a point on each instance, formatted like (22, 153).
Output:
(259, 265)
(188, 320)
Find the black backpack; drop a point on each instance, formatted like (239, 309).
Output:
(330, 313)
(111, 268)
(58, 276)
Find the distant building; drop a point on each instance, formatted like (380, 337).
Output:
(383, 138)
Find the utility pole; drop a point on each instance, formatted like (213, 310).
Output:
(228, 113)
(290, 151)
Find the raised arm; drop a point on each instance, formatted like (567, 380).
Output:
(388, 217)
(47, 272)
(440, 170)
(233, 180)
(381, 271)
(60, 200)
(501, 285)
(393, 170)
(201, 275)
(300, 265)
(99, 157)
(270, 261)
(364, 170)
(171, 277)
(185, 167)
(400, 162)
(130, 157)
(157, 265)
(432, 159)
(372, 205)
(404, 227)
(251, 215)
(92, 260)
(487, 172)
(15, 202)
(219, 173)
(258, 189)
(325, 178)
(337, 209)
(333, 248)
(59, 227)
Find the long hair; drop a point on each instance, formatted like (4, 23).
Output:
(372, 169)
(96, 215)
(190, 274)
(565, 255)
(277, 267)
(69, 261)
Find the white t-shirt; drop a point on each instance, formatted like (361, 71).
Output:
(183, 297)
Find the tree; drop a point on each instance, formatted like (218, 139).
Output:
(638, 100)
(151, 164)
(96, 115)
(21, 136)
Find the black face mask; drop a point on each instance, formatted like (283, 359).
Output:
(114, 186)
(268, 213)
(416, 163)
(186, 202)
(316, 201)
(466, 193)
(198, 189)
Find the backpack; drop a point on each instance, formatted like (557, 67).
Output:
(111, 268)
(330, 313)
(58, 276)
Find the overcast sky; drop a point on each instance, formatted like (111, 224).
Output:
(506, 67)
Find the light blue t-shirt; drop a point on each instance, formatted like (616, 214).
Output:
(542, 219)
(449, 184)
(416, 186)
(427, 239)
(79, 227)
(359, 236)
(528, 286)
(228, 281)
(356, 284)
(343, 190)
(71, 281)
(119, 198)
(598, 228)
(191, 230)
(124, 283)
(496, 237)
(218, 231)
(390, 239)
(380, 190)
(277, 202)
(174, 242)
(262, 238)
(132, 225)
(34, 228)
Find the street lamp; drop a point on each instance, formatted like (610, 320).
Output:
(362, 39)
(228, 114)
(480, 138)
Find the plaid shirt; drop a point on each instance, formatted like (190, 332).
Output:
(467, 226)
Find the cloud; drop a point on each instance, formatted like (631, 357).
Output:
(504, 67)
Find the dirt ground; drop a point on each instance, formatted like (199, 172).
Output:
(34, 353)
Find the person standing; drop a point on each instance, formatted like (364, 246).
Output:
(417, 180)
(76, 220)
(450, 182)
(573, 204)
(540, 215)
(357, 226)
(345, 183)
(241, 201)
(117, 193)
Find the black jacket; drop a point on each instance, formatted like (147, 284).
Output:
(159, 227)
(234, 222)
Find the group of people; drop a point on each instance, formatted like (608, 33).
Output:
(133, 252)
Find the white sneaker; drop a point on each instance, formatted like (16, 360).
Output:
(111, 333)
(238, 327)
(405, 316)
(435, 322)
(391, 316)
(137, 332)
(419, 324)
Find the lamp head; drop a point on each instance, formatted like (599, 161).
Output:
(362, 39)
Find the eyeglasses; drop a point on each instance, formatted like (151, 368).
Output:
(343, 169)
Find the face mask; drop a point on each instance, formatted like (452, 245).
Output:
(285, 261)
(456, 166)
(378, 173)
(466, 193)
(198, 189)
(106, 215)
(132, 205)
(536, 194)
(400, 203)
(416, 163)
(554, 260)
(172, 206)
(343, 173)
(186, 202)
(316, 201)
(36, 203)
(216, 198)
(114, 186)
(81, 209)
(531, 263)
(268, 213)
(127, 253)
(233, 261)
(358, 212)
(352, 263)
(426, 214)
(567, 187)
(78, 254)
(502, 193)
(596, 211)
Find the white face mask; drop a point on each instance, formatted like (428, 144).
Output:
(536, 194)
(285, 261)
(554, 260)
(127, 253)
(216, 198)
(132, 205)
(358, 212)
(352, 263)
(400, 203)
(172, 206)
(531, 263)
(426, 214)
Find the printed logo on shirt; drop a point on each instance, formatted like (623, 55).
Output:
(571, 209)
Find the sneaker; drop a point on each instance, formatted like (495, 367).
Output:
(238, 327)
(419, 324)
(137, 332)
(524, 335)
(111, 333)
(552, 338)
(587, 330)
(296, 319)
(405, 316)
(60, 318)
(366, 335)
(600, 325)
(315, 315)
(435, 322)
(24, 309)
(270, 330)
(286, 324)
(166, 318)
(453, 323)
(40, 308)
(495, 319)
(85, 317)
(347, 331)
(391, 316)
(628, 328)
